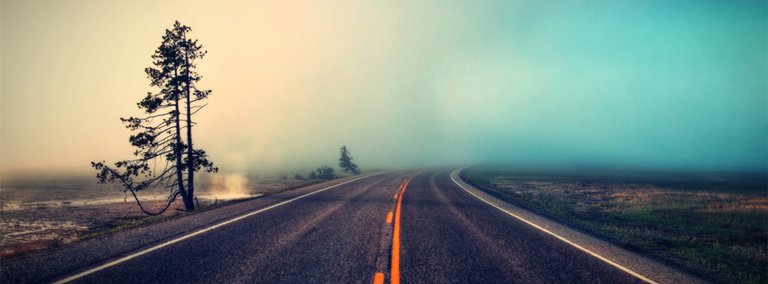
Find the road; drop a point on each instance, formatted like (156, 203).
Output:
(356, 233)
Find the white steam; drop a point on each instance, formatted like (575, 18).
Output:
(229, 186)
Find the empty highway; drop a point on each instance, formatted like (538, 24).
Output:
(406, 226)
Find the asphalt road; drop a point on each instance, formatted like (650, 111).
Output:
(346, 235)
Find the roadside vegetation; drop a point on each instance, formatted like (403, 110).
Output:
(712, 225)
(325, 172)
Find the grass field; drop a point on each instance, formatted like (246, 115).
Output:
(713, 225)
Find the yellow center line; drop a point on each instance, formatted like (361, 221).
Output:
(378, 278)
(395, 275)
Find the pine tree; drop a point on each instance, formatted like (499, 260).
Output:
(345, 162)
(165, 159)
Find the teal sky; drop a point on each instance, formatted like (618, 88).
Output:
(654, 84)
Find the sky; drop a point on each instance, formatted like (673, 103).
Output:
(647, 84)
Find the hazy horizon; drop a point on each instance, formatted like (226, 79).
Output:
(662, 85)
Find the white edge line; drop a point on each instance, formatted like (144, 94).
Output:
(600, 257)
(198, 232)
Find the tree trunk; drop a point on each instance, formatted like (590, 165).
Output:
(185, 196)
(190, 150)
(189, 201)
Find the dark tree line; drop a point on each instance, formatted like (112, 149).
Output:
(165, 156)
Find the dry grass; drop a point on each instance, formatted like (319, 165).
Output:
(621, 197)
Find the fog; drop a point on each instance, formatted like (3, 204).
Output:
(651, 84)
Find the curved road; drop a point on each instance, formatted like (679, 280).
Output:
(346, 234)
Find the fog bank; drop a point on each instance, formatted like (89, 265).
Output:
(657, 84)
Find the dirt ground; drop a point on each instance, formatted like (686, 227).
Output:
(37, 226)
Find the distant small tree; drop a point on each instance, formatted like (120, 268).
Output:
(323, 172)
(165, 159)
(298, 177)
(345, 162)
